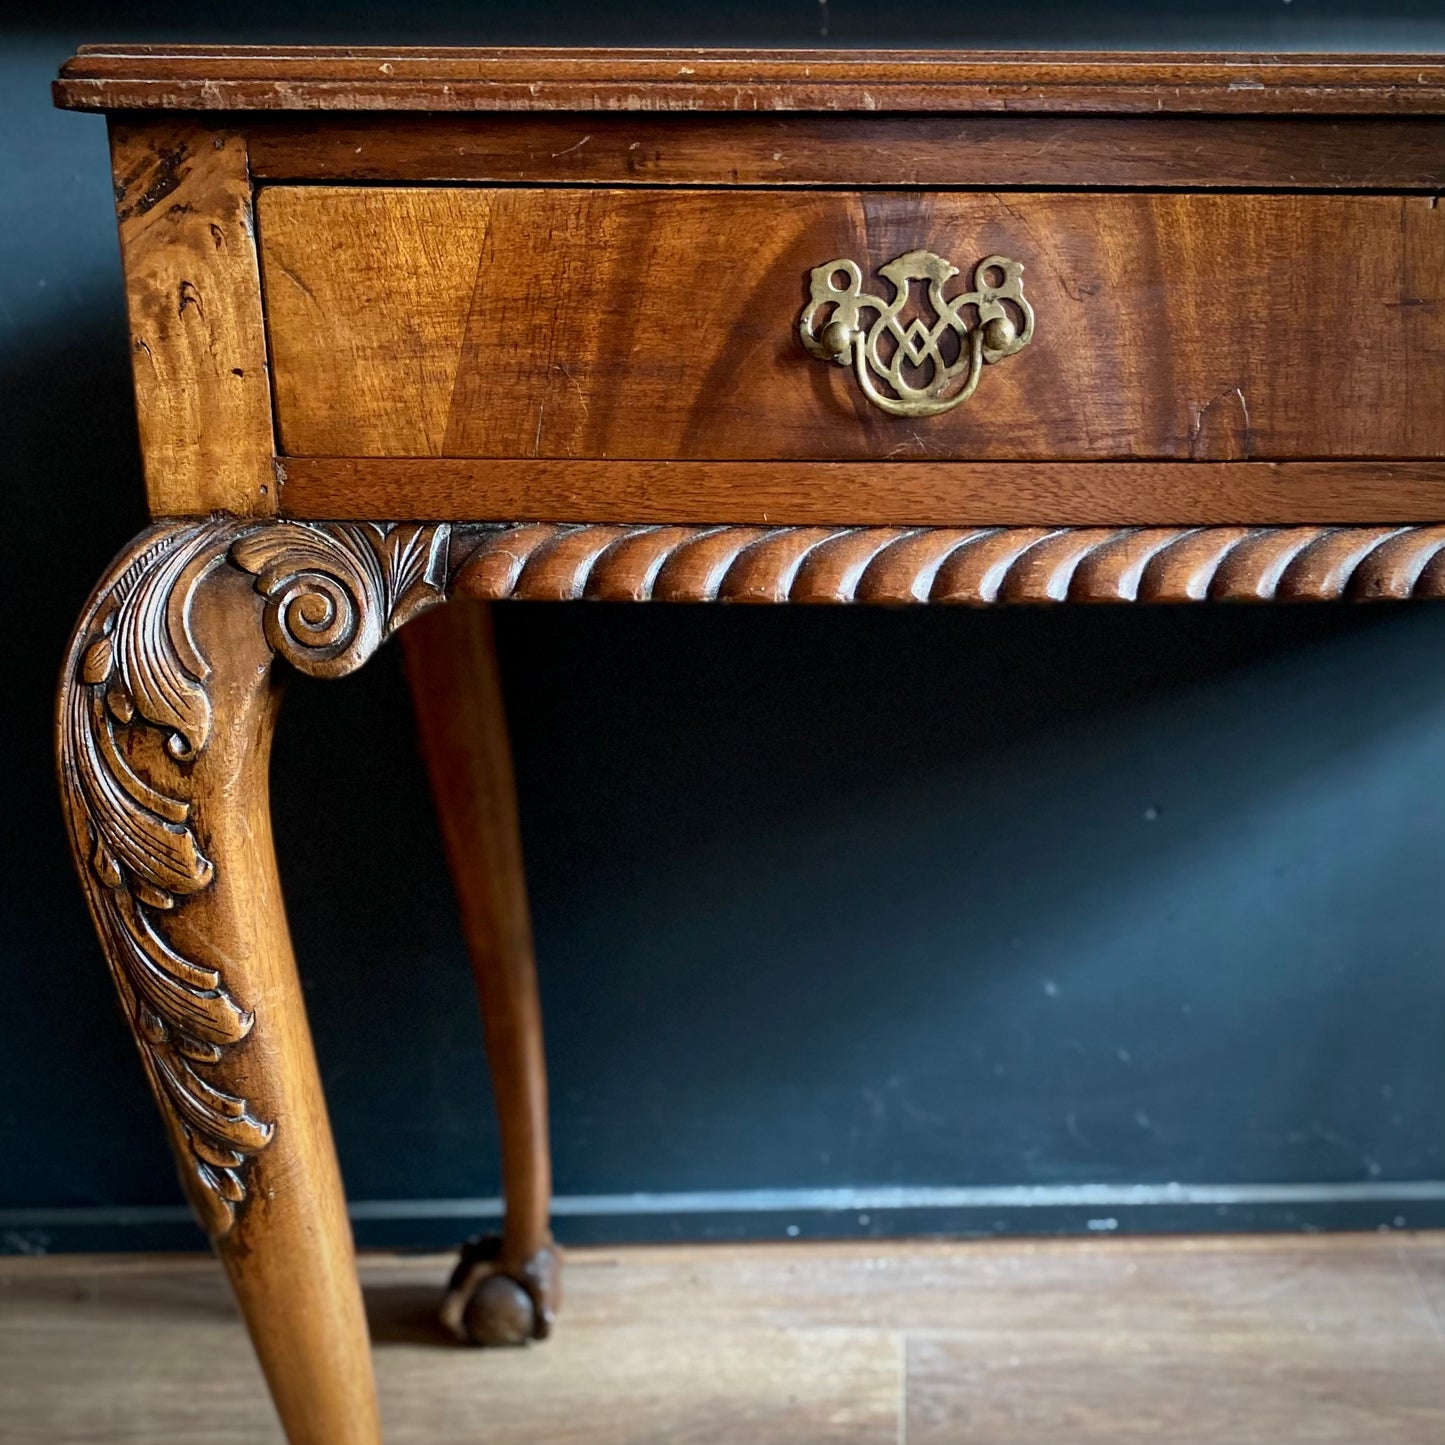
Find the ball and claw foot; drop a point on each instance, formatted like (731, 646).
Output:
(495, 1301)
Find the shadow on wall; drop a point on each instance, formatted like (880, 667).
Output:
(836, 898)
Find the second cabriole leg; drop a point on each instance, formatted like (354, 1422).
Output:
(503, 1293)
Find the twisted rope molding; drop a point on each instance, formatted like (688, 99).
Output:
(977, 565)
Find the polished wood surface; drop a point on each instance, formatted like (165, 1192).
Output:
(375, 78)
(193, 292)
(1294, 1341)
(1156, 152)
(652, 325)
(510, 1294)
(909, 494)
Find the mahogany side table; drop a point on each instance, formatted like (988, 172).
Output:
(691, 326)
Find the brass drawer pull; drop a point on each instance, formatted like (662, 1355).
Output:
(886, 347)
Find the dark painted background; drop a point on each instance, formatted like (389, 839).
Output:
(824, 899)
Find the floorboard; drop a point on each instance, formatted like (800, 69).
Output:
(1286, 1340)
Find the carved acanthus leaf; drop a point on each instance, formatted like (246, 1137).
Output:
(137, 667)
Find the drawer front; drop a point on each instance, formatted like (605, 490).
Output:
(559, 323)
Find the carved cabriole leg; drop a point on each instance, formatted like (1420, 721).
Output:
(167, 706)
(505, 1294)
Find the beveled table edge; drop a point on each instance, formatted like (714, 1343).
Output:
(378, 78)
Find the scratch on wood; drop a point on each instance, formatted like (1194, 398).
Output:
(189, 296)
(576, 386)
(1221, 430)
(572, 148)
(300, 285)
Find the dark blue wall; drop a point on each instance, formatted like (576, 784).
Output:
(825, 899)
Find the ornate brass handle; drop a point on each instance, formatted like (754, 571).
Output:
(943, 355)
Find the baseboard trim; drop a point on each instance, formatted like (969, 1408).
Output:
(870, 1200)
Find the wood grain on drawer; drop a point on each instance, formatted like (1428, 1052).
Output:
(588, 323)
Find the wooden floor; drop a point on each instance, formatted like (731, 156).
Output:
(1278, 1341)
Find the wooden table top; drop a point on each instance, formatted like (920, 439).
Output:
(361, 78)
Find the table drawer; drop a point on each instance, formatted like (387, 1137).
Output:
(590, 323)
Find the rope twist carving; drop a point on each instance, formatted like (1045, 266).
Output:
(978, 565)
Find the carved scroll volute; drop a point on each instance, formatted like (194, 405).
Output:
(140, 706)
(333, 593)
